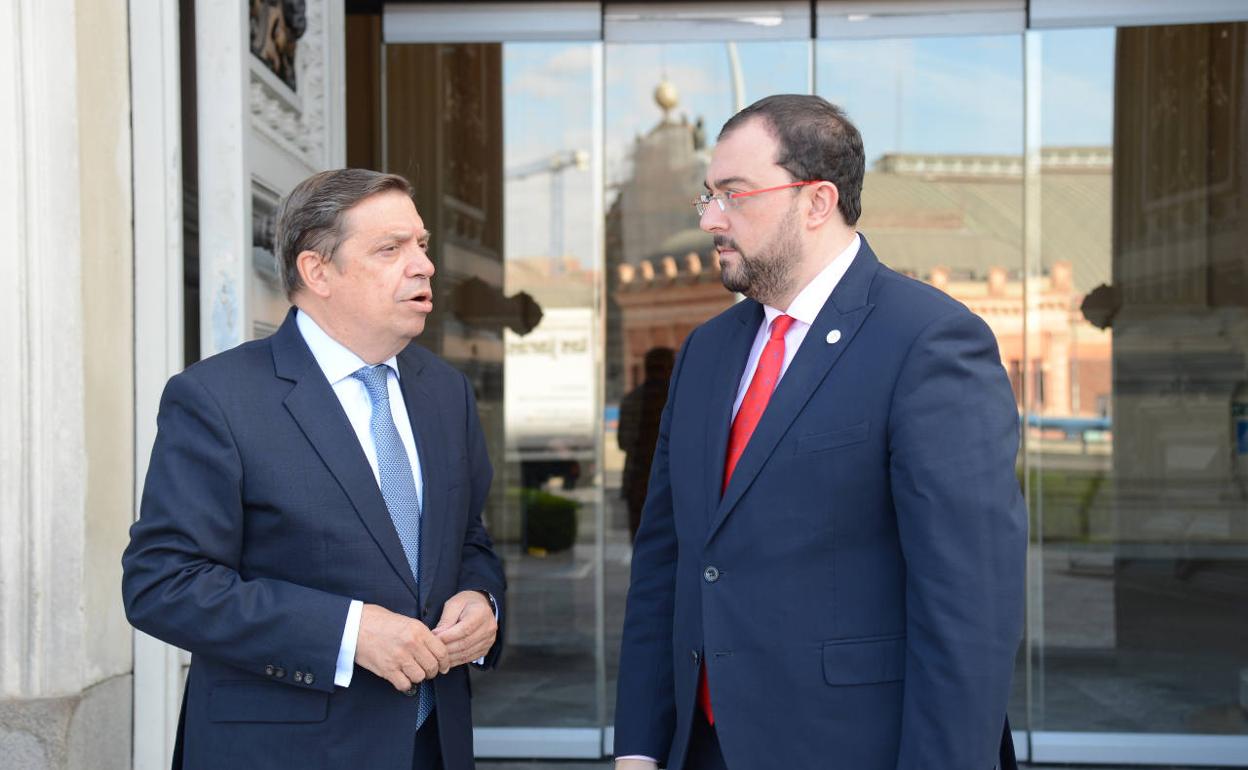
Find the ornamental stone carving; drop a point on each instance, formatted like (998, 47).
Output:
(293, 119)
(276, 26)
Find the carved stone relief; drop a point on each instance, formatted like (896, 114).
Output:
(293, 120)
(276, 26)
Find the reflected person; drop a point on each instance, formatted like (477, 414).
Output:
(829, 569)
(640, 411)
(310, 528)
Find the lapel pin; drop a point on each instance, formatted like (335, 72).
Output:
(834, 336)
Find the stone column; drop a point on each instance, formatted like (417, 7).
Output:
(65, 397)
(222, 57)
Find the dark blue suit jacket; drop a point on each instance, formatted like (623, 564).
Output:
(857, 592)
(261, 520)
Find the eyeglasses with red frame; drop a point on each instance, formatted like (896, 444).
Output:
(703, 201)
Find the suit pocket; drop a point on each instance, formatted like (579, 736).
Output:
(266, 702)
(864, 661)
(833, 439)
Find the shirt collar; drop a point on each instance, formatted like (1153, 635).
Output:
(334, 358)
(810, 300)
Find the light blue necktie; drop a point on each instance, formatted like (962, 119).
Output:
(398, 488)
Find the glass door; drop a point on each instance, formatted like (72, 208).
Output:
(553, 168)
(1138, 469)
(493, 112)
(675, 74)
(550, 522)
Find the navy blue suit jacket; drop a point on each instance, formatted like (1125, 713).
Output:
(857, 591)
(261, 520)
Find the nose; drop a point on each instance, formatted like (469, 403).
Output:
(420, 264)
(713, 220)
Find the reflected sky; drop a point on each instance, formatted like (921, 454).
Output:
(946, 95)
(702, 75)
(955, 95)
(548, 93)
(1077, 87)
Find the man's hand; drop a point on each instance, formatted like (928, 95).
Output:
(635, 764)
(399, 649)
(467, 627)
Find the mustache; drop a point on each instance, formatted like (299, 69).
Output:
(724, 242)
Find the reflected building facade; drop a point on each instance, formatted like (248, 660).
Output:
(953, 221)
(650, 220)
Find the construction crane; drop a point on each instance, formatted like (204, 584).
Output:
(555, 165)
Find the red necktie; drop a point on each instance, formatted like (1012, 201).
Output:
(766, 375)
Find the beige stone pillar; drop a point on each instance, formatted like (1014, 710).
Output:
(66, 342)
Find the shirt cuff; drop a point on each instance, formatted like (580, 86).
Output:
(493, 604)
(640, 756)
(346, 651)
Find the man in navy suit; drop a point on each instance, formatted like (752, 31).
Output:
(829, 569)
(310, 528)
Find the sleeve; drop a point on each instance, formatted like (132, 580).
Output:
(480, 568)
(181, 580)
(345, 668)
(645, 711)
(953, 436)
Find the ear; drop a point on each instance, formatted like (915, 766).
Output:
(313, 269)
(823, 205)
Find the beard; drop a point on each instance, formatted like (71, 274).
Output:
(768, 274)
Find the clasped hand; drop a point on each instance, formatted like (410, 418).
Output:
(405, 652)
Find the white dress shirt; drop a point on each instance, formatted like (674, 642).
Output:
(338, 363)
(804, 308)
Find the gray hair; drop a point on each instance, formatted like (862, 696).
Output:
(310, 218)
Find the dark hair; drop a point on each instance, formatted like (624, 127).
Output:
(310, 217)
(659, 362)
(817, 141)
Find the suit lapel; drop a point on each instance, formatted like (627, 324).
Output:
(316, 408)
(725, 381)
(431, 446)
(844, 312)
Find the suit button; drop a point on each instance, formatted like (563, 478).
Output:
(710, 574)
(299, 676)
(279, 672)
(695, 657)
(307, 678)
(412, 690)
(268, 670)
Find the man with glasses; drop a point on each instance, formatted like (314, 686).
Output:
(829, 571)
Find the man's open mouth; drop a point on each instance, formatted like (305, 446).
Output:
(424, 298)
